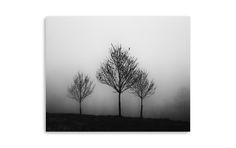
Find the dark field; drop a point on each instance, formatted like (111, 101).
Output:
(75, 122)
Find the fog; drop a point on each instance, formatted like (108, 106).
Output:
(81, 44)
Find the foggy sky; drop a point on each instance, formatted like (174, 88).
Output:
(161, 45)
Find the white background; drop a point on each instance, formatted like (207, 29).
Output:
(213, 73)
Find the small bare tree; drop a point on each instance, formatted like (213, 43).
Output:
(118, 71)
(81, 87)
(143, 87)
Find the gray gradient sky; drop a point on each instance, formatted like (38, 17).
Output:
(161, 45)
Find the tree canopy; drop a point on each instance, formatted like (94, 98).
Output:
(81, 87)
(143, 87)
(118, 70)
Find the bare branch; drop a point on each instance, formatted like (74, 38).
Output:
(143, 87)
(118, 70)
(81, 87)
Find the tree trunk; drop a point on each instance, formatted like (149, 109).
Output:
(80, 109)
(141, 111)
(119, 106)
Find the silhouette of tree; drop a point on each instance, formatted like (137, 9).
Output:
(118, 71)
(143, 87)
(81, 87)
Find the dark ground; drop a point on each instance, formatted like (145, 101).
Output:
(75, 122)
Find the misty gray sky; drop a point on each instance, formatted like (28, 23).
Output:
(161, 45)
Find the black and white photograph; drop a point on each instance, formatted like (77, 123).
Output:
(117, 73)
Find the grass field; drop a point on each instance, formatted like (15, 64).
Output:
(75, 122)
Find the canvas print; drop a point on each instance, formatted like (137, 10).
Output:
(117, 73)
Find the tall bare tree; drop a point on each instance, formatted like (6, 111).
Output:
(118, 71)
(81, 87)
(143, 87)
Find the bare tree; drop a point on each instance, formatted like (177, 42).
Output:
(118, 71)
(81, 87)
(143, 87)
